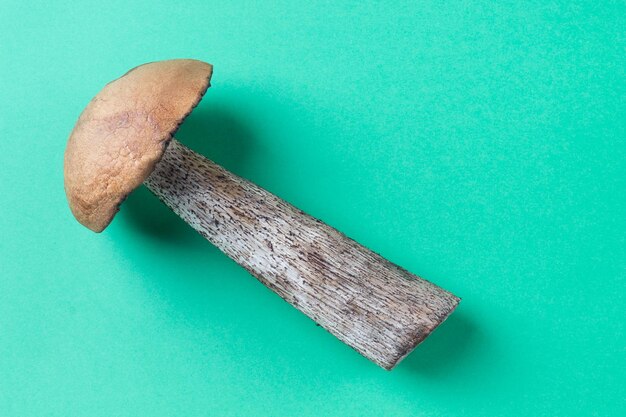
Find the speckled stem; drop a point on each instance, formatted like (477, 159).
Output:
(378, 308)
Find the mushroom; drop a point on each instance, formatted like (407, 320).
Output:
(124, 138)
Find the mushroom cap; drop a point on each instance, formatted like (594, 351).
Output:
(123, 132)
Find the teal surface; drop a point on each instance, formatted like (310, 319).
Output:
(479, 144)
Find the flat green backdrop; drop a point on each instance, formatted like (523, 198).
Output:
(479, 144)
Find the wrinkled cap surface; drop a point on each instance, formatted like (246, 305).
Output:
(123, 132)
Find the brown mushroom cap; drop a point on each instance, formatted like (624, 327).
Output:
(123, 132)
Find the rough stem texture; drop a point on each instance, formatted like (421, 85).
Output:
(373, 305)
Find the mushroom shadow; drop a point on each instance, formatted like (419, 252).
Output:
(446, 348)
(215, 132)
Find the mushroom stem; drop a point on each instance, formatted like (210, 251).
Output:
(373, 305)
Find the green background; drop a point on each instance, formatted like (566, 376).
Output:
(478, 144)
